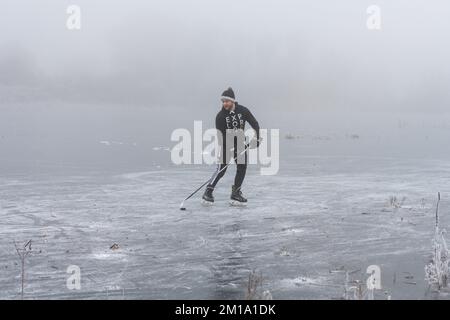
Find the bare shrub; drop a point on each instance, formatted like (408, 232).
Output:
(395, 202)
(23, 253)
(437, 271)
(254, 287)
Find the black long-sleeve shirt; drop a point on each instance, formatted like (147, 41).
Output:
(235, 119)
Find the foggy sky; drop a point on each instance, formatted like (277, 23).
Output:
(293, 55)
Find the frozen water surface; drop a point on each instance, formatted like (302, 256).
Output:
(303, 228)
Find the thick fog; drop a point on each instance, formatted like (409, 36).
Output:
(292, 54)
(136, 70)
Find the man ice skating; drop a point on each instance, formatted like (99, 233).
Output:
(231, 117)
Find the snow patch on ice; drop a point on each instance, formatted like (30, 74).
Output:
(292, 230)
(110, 143)
(300, 281)
(163, 148)
(109, 255)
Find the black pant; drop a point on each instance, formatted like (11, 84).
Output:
(240, 171)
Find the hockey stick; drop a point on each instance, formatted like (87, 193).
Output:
(182, 207)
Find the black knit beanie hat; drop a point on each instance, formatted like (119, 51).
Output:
(228, 95)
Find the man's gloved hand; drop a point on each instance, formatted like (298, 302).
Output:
(254, 143)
